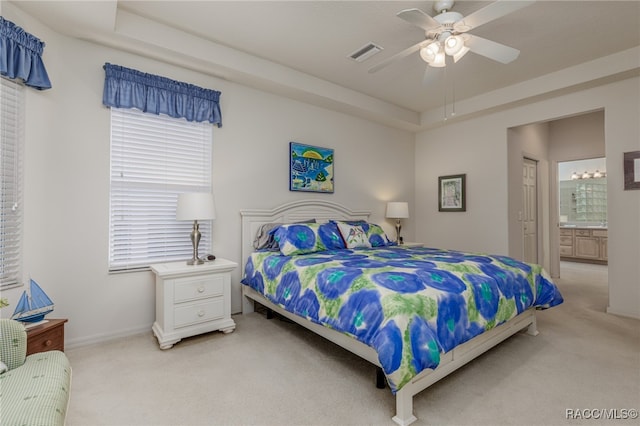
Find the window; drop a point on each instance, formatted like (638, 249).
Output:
(153, 159)
(11, 133)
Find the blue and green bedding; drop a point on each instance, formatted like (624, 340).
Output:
(409, 304)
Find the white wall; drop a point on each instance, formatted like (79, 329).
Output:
(67, 178)
(478, 147)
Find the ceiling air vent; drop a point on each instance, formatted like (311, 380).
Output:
(365, 52)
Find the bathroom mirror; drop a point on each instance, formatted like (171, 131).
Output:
(583, 192)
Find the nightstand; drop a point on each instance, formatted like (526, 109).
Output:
(411, 244)
(48, 336)
(192, 299)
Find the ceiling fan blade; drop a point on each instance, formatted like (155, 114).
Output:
(488, 13)
(418, 18)
(400, 55)
(491, 49)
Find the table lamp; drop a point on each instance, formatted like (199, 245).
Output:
(195, 206)
(398, 210)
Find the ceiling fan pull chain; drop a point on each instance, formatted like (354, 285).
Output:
(453, 94)
(444, 77)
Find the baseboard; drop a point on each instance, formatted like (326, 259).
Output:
(619, 313)
(105, 337)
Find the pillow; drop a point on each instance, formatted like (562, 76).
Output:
(351, 222)
(264, 237)
(307, 238)
(3, 367)
(354, 235)
(377, 236)
(375, 233)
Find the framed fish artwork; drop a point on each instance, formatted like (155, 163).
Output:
(310, 168)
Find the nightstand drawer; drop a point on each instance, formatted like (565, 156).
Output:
(199, 312)
(49, 341)
(198, 288)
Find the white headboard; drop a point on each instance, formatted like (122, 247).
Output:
(294, 211)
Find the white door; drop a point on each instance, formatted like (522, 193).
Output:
(530, 210)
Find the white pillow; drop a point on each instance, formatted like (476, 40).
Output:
(353, 235)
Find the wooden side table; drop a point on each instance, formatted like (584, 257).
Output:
(46, 337)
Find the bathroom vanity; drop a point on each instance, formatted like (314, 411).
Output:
(583, 244)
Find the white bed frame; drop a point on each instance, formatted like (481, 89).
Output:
(450, 361)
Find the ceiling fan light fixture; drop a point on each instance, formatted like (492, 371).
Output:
(430, 52)
(439, 61)
(463, 51)
(453, 44)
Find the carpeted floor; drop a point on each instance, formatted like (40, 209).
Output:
(271, 372)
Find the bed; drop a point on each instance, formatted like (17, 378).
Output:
(417, 313)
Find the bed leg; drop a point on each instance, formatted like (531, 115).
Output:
(404, 408)
(532, 330)
(381, 381)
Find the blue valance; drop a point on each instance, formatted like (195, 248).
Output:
(21, 56)
(129, 88)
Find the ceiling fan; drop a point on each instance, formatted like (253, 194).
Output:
(446, 34)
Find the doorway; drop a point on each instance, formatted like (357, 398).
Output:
(549, 143)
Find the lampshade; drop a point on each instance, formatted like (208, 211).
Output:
(429, 52)
(440, 60)
(195, 206)
(398, 210)
(453, 45)
(463, 51)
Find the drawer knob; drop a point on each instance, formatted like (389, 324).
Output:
(48, 343)
(201, 289)
(201, 313)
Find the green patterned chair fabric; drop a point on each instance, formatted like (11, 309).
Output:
(13, 343)
(35, 389)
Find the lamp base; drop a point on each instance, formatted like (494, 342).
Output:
(398, 229)
(195, 241)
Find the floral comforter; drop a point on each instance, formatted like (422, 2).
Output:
(410, 304)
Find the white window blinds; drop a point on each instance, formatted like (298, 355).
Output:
(11, 133)
(153, 159)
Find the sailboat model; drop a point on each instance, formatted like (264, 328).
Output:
(33, 308)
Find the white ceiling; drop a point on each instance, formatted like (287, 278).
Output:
(316, 37)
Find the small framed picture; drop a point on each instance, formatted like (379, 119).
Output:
(632, 170)
(451, 193)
